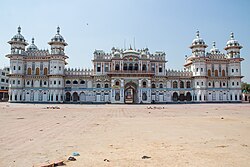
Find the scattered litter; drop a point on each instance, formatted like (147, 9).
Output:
(72, 159)
(64, 116)
(244, 145)
(53, 107)
(75, 154)
(59, 163)
(41, 130)
(47, 165)
(222, 146)
(57, 123)
(106, 160)
(159, 108)
(221, 118)
(20, 118)
(145, 157)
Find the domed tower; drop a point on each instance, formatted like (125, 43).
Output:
(198, 46)
(233, 47)
(234, 68)
(16, 56)
(56, 67)
(214, 49)
(18, 43)
(32, 46)
(57, 43)
(196, 63)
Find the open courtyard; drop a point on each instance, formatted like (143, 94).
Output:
(120, 135)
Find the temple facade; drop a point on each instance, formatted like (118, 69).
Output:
(123, 75)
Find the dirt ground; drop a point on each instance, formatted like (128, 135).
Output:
(120, 135)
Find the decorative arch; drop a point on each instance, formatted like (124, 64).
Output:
(209, 73)
(75, 97)
(45, 71)
(175, 84)
(175, 96)
(181, 84)
(216, 73)
(29, 71)
(37, 71)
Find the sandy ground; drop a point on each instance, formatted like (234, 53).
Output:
(179, 135)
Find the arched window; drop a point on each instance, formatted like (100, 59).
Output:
(117, 67)
(45, 71)
(216, 73)
(19, 67)
(223, 73)
(175, 84)
(144, 67)
(75, 82)
(14, 68)
(136, 67)
(82, 82)
(209, 73)
(68, 82)
(181, 84)
(188, 84)
(98, 85)
(29, 71)
(106, 85)
(125, 67)
(28, 82)
(117, 83)
(175, 96)
(161, 86)
(209, 83)
(117, 96)
(153, 85)
(144, 96)
(37, 71)
(130, 67)
(144, 84)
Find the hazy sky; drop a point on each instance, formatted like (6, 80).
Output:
(163, 25)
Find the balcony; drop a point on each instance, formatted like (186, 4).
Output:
(131, 73)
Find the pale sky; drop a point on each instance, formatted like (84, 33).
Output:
(161, 25)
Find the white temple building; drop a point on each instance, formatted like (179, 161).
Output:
(123, 75)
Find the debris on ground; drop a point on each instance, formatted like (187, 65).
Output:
(159, 108)
(75, 154)
(145, 157)
(59, 163)
(20, 118)
(221, 118)
(72, 159)
(53, 107)
(106, 160)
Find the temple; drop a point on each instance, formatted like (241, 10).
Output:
(123, 75)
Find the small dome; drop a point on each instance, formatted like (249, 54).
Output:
(18, 36)
(198, 40)
(214, 50)
(117, 54)
(58, 37)
(232, 41)
(32, 46)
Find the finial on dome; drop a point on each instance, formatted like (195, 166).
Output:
(33, 40)
(232, 35)
(19, 29)
(214, 44)
(197, 33)
(58, 30)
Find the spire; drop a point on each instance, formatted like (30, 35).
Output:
(33, 40)
(58, 30)
(232, 35)
(197, 33)
(214, 44)
(19, 29)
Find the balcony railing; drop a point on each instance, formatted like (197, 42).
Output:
(131, 72)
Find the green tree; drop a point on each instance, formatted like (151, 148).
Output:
(245, 87)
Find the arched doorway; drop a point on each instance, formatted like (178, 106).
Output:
(175, 96)
(188, 96)
(67, 96)
(75, 97)
(82, 97)
(182, 97)
(130, 93)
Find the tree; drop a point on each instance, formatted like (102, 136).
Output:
(245, 87)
